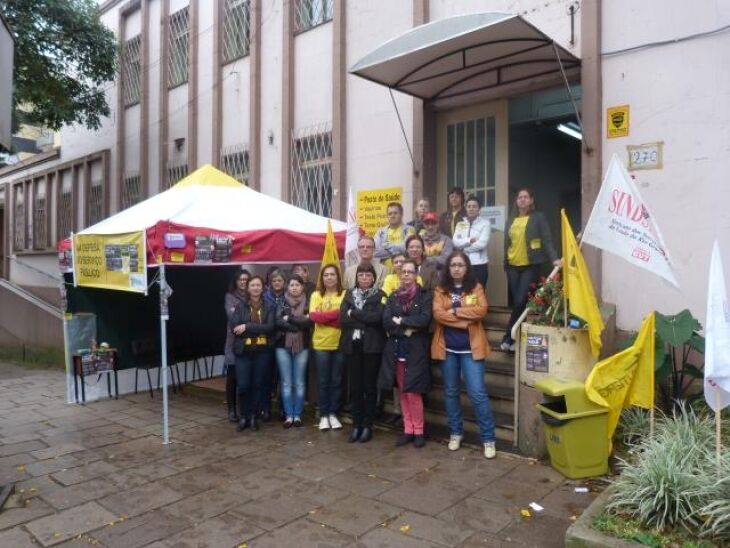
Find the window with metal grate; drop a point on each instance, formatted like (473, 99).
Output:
(175, 172)
(131, 190)
(235, 162)
(236, 29)
(312, 169)
(131, 70)
(178, 47)
(310, 13)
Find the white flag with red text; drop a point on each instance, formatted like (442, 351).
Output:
(353, 233)
(717, 336)
(622, 224)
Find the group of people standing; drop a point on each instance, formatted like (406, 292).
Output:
(418, 295)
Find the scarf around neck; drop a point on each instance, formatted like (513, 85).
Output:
(359, 296)
(294, 340)
(406, 296)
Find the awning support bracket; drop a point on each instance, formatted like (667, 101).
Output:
(403, 130)
(587, 148)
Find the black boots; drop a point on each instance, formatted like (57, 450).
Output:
(366, 435)
(403, 439)
(355, 435)
(243, 424)
(231, 394)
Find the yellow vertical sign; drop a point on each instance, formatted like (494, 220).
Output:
(617, 121)
(372, 206)
(111, 261)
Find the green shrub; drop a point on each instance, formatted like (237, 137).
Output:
(717, 512)
(633, 426)
(668, 482)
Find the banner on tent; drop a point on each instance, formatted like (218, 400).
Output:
(113, 261)
(372, 206)
(622, 224)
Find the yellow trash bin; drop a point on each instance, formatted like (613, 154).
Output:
(576, 429)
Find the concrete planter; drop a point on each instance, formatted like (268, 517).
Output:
(582, 535)
(554, 351)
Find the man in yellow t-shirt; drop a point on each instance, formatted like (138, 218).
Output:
(391, 238)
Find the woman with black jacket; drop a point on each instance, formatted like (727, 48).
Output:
(528, 245)
(406, 357)
(292, 348)
(235, 296)
(361, 342)
(252, 324)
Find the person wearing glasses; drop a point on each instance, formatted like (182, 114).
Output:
(391, 238)
(406, 361)
(366, 250)
(460, 343)
(235, 296)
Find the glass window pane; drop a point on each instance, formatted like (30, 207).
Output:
(481, 154)
(450, 155)
(491, 167)
(469, 183)
(460, 154)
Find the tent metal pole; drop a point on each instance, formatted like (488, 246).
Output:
(164, 316)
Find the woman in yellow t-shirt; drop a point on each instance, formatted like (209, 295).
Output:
(528, 245)
(324, 311)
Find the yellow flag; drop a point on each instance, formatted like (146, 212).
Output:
(330, 255)
(578, 287)
(626, 378)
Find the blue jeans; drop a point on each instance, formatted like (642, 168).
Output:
(329, 381)
(454, 367)
(250, 373)
(292, 370)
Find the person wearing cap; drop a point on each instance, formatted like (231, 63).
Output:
(422, 208)
(455, 213)
(437, 245)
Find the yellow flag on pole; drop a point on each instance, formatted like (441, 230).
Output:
(626, 378)
(578, 287)
(330, 255)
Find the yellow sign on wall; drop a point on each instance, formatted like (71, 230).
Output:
(617, 121)
(114, 261)
(372, 207)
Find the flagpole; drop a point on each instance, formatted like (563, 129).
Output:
(651, 421)
(718, 432)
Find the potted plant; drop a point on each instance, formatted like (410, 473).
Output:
(550, 345)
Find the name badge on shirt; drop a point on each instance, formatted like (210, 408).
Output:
(471, 299)
(535, 243)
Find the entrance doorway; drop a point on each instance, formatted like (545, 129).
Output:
(493, 149)
(545, 155)
(472, 153)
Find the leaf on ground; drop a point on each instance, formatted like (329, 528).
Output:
(525, 513)
(404, 528)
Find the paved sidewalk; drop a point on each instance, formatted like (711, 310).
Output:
(99, 475)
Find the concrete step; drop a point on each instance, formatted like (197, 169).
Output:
(502, 400)
(500, 371)
(497, 316)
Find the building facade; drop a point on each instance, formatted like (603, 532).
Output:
(262, 90)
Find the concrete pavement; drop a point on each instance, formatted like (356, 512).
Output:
(98, 475)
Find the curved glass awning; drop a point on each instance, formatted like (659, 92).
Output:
(464, 58)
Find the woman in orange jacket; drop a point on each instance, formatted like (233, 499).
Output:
(459, 306)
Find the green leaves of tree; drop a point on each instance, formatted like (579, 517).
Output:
(63, 57)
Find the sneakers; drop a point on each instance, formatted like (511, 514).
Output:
(298, 422)
(455, 442)
(288, 423)
(324, 423)
(507, 346)
(335, 424)
(490, 451)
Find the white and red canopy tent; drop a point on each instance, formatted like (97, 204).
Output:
(205, 204)
(264, 229)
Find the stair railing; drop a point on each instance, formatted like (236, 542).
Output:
(518, 366)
